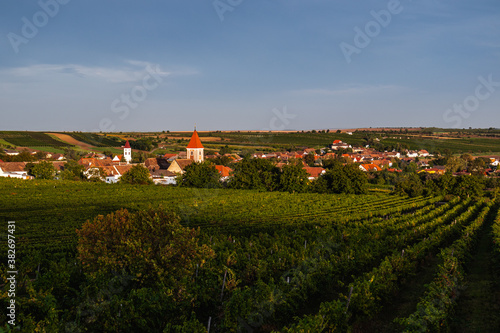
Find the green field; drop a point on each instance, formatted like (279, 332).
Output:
(285, 262)
(31, 139)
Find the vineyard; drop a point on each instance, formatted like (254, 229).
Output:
(97, 140)
(30, 139)
(284, 262)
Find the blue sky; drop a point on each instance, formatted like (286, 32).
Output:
(236, 64)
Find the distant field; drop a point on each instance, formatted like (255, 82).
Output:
(482, 142)
(31, 139)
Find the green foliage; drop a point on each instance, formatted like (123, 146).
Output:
(138, 174)
(200, 175)
(339, 178)
(409, 184)
(293, 178)
(254, 174)
(141, 268)
(73, 171)
(309, 159)
(43, 170)
(225, 150)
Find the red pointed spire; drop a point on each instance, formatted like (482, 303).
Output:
(195, 141)
(127, 145)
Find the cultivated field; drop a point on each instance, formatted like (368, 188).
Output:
(283, 262)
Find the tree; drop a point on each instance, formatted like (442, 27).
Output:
(254, 174)
(409, 184)
(138, 174)
(293, 178)
(466, 186)
(43, 170)
(200, 175)
(73, 171)
(341, 178)
(146, 262)
(24, 156)
(225, 150)
(96, 175)
(309, 159)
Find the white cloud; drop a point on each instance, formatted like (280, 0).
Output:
(134, 71)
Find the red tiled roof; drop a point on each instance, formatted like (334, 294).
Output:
(127, 145)
(369, 167)
(314, 171)
(195, 141)
(224, 170)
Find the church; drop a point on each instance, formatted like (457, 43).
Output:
(195, 148)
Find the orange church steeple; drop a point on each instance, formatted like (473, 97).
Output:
(195, 148)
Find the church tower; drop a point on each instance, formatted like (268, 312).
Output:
(127, 152)
(195, 148)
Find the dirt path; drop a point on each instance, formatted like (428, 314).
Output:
(478, 308)
(67, 138)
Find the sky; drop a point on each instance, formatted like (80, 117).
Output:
(123, 65)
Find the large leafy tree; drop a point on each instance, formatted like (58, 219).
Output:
(141, 269)
(256, 174)
(43, 170)
(293, 178)
(466, 186)
(200, 175)
(73, 171)
(339, 178)
(138, 174)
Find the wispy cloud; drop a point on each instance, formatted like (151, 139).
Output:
(131, 72)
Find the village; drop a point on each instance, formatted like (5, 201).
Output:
(164, 169)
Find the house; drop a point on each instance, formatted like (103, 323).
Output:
(58, 157)
(112, 172)
(178, 165)
(224, 171)
(369, 167)
(423, 153)
(338, 144)
(163, 177)
(11, 152)
(14, 170)
(314, 172)
(170, 157)
(412, 154)
(117, 158)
